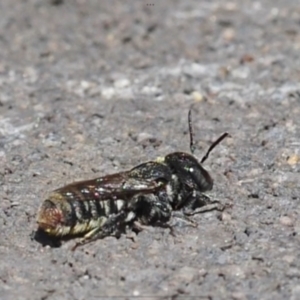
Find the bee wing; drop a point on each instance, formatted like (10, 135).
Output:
(126, 182)
(153, 171)
(147, 177)
(144, 178)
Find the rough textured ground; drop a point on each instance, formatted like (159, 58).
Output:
(88, 88)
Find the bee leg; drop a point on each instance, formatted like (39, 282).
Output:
(160, 214)
(168, 226)
(152, 210)
(200, 203)
(89, 237)
(138, 226)
(110, 227)
(156, 212)
(184, 217)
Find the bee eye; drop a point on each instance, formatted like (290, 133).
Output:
(188, 169)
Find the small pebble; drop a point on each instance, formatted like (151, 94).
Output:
(286, 221)
(197, 97)
(293, 160)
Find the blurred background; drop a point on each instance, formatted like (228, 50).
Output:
(89, 88)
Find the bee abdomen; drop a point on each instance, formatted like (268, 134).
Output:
(91, 214)
(112, 206)
(93, 209)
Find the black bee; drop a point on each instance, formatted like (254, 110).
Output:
(146, 194)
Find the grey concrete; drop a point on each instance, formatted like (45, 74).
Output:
(88, 88)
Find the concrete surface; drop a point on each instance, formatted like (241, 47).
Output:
(88, 88)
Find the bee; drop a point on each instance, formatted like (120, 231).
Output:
(147, 194)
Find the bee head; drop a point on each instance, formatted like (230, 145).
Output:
(190, 172)
(188, 168)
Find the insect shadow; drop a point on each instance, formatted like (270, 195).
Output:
(45, 240)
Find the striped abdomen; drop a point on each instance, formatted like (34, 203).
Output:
(68, 212)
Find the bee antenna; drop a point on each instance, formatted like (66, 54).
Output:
(192, 145)
(213, 145)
